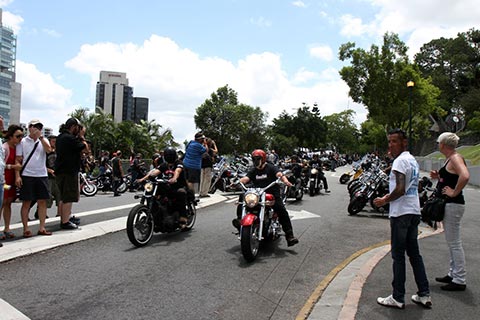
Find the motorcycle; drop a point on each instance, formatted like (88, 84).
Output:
(156, 213)
(375, 186)
(104, 182)
(295, 191)
(87, 187)
(259, 222)
(315, 183)
(224, 176)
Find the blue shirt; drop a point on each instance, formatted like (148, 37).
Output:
(193, 155)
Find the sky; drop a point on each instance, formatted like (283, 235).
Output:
(276, 54)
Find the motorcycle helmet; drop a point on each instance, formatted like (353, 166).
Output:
(259, 157)
(170, 155)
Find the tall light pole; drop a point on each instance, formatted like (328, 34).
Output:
(410, 85)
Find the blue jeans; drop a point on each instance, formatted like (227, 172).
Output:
(404, 236)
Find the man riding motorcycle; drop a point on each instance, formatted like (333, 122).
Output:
(173, 167)
(321, 175)
(261, 175)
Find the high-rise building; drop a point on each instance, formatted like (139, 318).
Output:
(115, 97)
(10, 90)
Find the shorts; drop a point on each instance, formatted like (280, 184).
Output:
(192, 175)
(54, 192)
(34, 188)
(68, 187)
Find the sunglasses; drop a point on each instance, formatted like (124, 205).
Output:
(18, 136)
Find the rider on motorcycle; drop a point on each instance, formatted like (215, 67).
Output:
(173, 167)
(321, 174)
(261, 175)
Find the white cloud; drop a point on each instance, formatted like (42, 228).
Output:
(176, 80)
(11, 20)
(42, 97)
(299, 4)
(52, 33)
(322, 52)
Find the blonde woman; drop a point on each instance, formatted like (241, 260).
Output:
(452, 177)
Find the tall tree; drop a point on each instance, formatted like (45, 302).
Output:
(235, 127)
(342, 131)
(378, 78)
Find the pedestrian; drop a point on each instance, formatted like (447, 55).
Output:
(69, 147)
(192, 160)
(13, 137)
(117, 172)
(206, 172)
(137, 170)
(3, 158)
(452, 177)
(32, 179)
(404, 216)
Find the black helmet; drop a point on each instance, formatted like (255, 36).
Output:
(170, 155)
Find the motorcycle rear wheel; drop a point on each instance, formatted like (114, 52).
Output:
(249, 241)
(140, 225)
(89, 190)
(122, 187)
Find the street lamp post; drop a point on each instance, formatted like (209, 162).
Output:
(410, 85)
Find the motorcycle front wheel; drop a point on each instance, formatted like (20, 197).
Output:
(344, 178)
(122, 187)
(140, 225)
(356, 205)
(191, 217)
(89, 190)
(249, 241)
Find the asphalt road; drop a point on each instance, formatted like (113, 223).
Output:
(196, 275)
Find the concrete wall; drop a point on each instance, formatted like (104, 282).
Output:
(428, 164)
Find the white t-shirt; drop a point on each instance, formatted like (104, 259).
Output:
(36, 167)
(408, 203)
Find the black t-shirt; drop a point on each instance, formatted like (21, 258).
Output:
(263, 177)
(168, 170)
(69, 150)
(51, 162)
(116, 167)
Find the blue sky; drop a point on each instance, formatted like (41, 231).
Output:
(275, 54)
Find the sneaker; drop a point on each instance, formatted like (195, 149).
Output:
(74, 220)
(390, 302)
(68, 226)
(452, 286)
(446, 279)
(425, 301)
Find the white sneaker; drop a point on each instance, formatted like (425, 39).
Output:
(425, 301)
(390, 302)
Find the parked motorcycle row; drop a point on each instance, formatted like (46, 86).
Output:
(369, 181)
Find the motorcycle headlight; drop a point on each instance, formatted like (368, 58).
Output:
(251, 200)
(148, 187)
(314, 171)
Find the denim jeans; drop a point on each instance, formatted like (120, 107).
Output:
(404, 236)
(451, 224)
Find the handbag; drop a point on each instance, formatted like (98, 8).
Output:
(433, 210)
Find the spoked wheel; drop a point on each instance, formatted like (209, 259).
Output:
(299, 195)
(191, 217)
(250, 243)
(140, 225)
(89, 189)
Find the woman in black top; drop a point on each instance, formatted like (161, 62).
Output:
(452, 178)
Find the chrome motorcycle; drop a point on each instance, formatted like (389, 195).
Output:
(259, 222)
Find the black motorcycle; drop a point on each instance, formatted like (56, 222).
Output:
(156, 213)
(315, 184)
(104, 182)
(293, 192)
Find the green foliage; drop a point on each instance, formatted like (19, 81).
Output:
(342, 131)
(235, 127)
(128, 137)
(374, 137)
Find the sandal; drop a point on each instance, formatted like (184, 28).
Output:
(8, 235)
(27, 234)
(44, 232)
